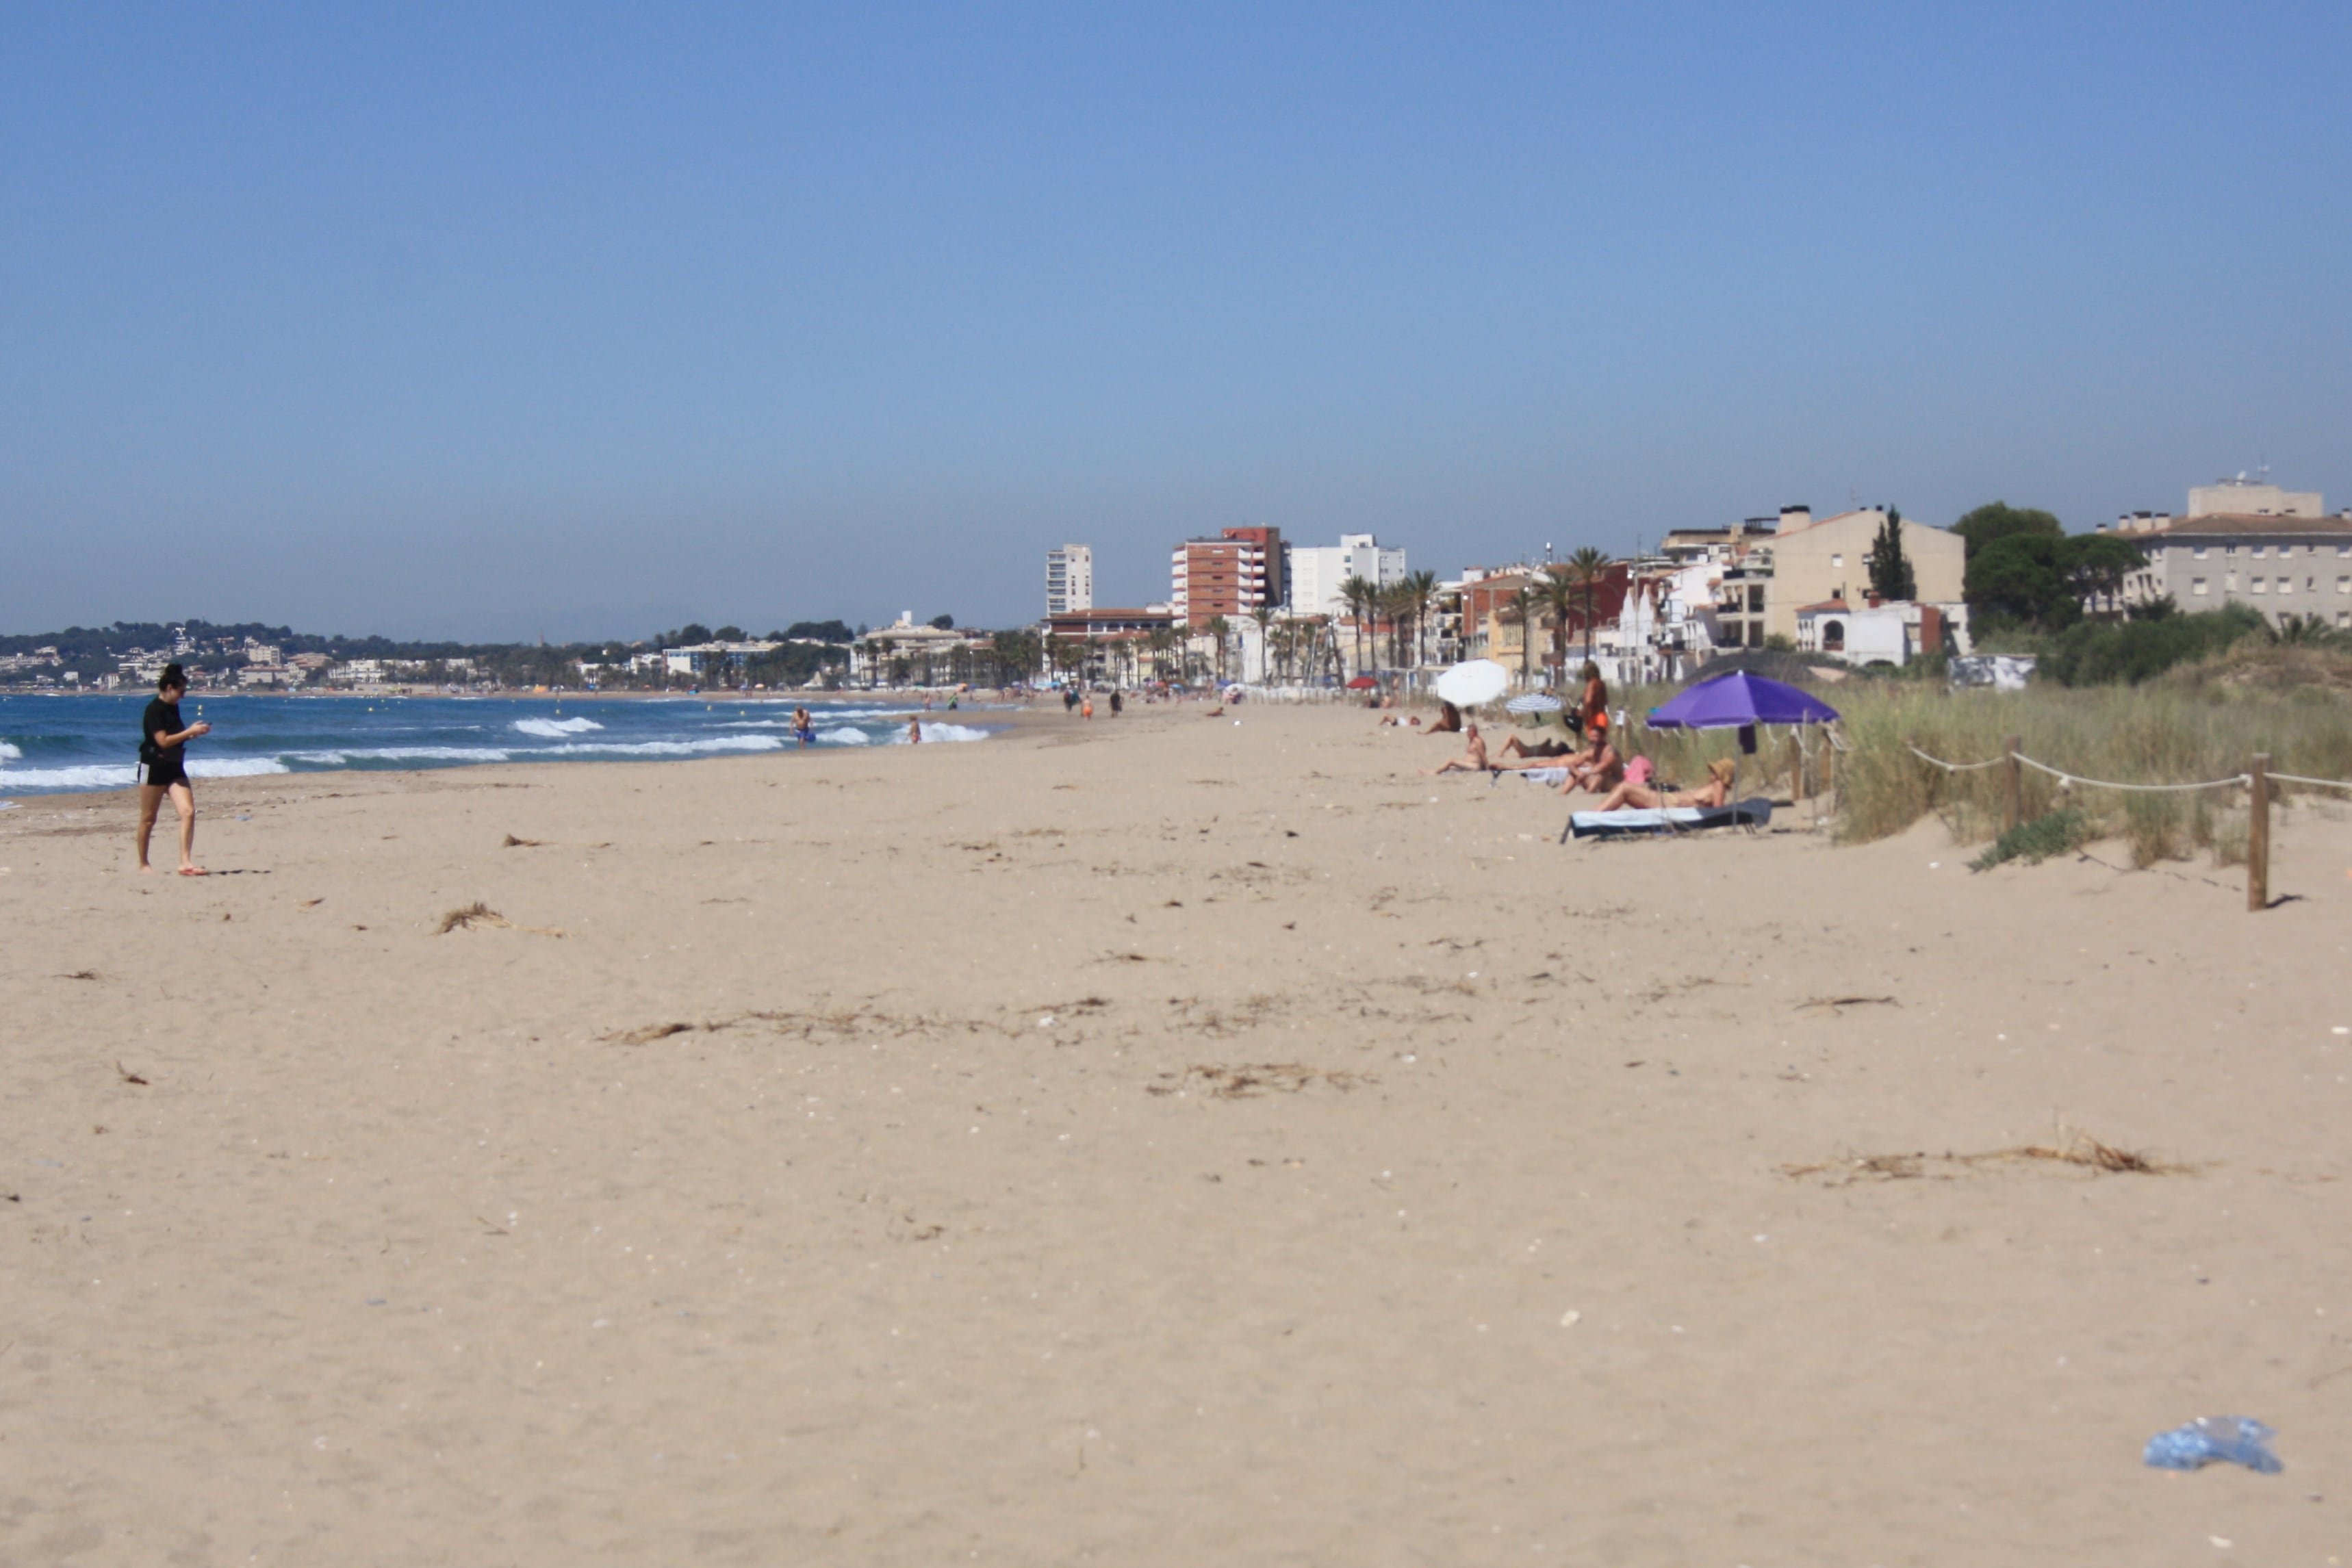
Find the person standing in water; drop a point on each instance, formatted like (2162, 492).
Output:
(162, 767)
(914, 730)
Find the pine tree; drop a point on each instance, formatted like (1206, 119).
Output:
(1891, 576)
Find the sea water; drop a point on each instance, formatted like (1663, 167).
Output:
(53, 744)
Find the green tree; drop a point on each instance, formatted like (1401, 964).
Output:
(1357, 594)
(1218, 627)
(1999, 520)
(1891, 576)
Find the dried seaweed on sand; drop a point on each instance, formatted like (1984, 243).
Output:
(2082, 1149)
(480, 914)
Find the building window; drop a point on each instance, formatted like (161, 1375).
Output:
(1832, 636)
(2259, 551)
(2344, 618)
(2344, 585)
(2311, 585)
(2229, 582)
(2258, 585)
(1837, 562)
(2199, 552)
(2197, 585)
(2229, 549)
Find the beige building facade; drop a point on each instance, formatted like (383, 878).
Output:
(1813, 561)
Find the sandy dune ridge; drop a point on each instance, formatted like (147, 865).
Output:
(1162, 1141)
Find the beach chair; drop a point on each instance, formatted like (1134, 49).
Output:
(1752, 813)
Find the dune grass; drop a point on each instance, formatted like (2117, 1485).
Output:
(2201, 721)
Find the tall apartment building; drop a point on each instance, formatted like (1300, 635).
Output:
(1315, 571)
(1070, 580)
(1230, 575)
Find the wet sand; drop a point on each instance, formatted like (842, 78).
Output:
(1162, 1141)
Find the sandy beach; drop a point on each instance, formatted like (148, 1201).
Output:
(1164, 1140)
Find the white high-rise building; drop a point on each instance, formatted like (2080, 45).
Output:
(1317, 571)
(1069, 579)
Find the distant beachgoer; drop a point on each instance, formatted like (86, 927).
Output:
(1473, 758)
(162, 767)
(1449, 719)
(803, 726)
(1716, 792)
(1069, 698)
(1592, 707)
(914, 730)
(1116, 706)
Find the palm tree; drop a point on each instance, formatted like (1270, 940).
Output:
(1423, 587)
(1589, 569)
(1555, 597)
(1358, 594)
(1264, 615)
(1217, 626)
(1521, 608)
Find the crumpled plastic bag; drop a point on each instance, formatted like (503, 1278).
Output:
(2235, 1439)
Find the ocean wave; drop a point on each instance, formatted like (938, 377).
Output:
(556, 729)
(9, 753)
(844, 736)
(932, 732)
(344, 757)
(121, 776)
(659, 747)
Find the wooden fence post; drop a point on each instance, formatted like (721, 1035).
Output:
(2258, 836)
(2016, 787)
(1796, 769)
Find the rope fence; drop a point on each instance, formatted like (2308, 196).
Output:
(2257, 780)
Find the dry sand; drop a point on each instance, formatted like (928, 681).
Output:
(1166, 1141)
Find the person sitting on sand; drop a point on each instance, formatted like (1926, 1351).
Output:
(1473, 760)
(1716, 792)
(1449, 719)
(1597, 768)
(1394, 721)
(163, 769)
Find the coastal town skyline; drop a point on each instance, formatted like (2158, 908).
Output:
(571, 323)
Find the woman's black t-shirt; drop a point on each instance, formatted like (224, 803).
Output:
(164, 718)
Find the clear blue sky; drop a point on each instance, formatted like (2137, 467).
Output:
(496, 321)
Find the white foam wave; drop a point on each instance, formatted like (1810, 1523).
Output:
(556, 729)
(343, 758)
(121, 776)
(237, 767)
(661, 748)
(9, 753)
(8, 805)
(950, 732)
(844, 736)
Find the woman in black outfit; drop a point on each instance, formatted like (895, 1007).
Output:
(162, 767)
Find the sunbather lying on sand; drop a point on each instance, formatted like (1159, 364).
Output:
(1473, 761)
(1514, 746)
(1716, 792)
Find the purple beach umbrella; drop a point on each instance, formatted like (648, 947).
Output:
(1738, 700)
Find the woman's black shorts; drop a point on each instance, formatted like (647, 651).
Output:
(165, 773)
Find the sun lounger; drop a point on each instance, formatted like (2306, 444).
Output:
(1756, 812)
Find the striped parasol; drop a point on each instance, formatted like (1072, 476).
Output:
(1536, 702)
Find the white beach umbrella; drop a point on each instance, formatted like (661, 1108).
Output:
(1473, 682)
(1536, 702)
